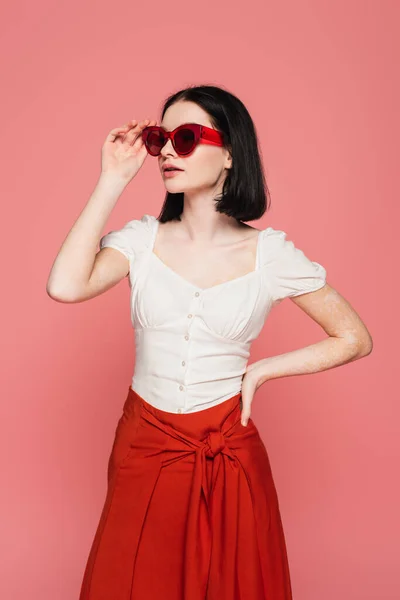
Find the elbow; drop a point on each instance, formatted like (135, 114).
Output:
(53, 295)
(59, 295)
(52, 292)
(51, 289)
(368, 348)
(364, 347)
(360, 344)
(60, 289)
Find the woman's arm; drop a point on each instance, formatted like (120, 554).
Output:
(80, 272)
(348, 340)
(69, 279)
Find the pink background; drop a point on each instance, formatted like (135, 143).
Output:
(319, 79)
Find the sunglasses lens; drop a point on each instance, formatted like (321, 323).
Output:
(184, 141)
(154, 142)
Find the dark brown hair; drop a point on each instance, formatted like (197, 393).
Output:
(245, 194)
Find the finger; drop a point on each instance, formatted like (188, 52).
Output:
(135, 132)
(118, 131)
(136, 135)
(245, 415)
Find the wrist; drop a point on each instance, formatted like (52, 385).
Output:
(112, 180)
(258, 372)
(109, 187)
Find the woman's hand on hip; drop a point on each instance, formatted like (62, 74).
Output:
(250, 383)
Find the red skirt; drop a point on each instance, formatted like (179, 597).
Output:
(191, 511)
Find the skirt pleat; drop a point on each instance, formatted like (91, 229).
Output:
(191, 511)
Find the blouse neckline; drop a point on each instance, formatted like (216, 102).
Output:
(212, 287)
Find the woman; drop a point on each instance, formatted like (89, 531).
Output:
(191, 510)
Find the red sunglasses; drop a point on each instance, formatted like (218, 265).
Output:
(184, 138)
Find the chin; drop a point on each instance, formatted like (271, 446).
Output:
(174, 189)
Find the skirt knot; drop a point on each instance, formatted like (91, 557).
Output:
(215, 443)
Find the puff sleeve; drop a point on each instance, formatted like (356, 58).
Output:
(290, 273)
(132, 239)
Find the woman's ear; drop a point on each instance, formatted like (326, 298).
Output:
(228, 160)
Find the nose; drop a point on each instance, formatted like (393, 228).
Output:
(168, 149)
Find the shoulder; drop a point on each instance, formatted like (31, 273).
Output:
(290, 271)
(278, 244)
(273, 244)
(133, 237)
(142, 225)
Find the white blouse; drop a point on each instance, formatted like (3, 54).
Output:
(193, 344)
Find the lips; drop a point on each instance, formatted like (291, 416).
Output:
(167, 168)
(169, 174)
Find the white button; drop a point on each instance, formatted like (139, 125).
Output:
(190, 316)
(186, 337)
(179, 410)
(183, 363)
(181, 387)
(197, 294)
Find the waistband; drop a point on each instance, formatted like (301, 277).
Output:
(197, 421)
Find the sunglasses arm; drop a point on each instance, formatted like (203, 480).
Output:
(211, 136)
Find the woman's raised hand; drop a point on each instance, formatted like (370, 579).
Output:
(123, 152)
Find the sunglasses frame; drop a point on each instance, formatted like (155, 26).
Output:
(202, 134)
